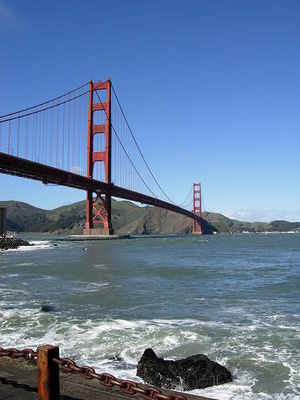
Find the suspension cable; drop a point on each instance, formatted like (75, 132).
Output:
(45, 109)
(188, 205)
(138, 147)
(204, 211)
(131, 162)
(45, 102)
(182, 204)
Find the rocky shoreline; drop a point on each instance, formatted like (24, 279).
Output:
(7, 243)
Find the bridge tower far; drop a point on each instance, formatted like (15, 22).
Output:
(98, 204)
(197, 207)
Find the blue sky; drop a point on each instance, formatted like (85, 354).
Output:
(211, 90)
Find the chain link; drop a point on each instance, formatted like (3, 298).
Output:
(86, 372)
(29, 354)
(125, 386)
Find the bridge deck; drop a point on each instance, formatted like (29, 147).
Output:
(18, 381)
(32, 170)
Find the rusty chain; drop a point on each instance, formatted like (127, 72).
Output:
(86, 372)
(126, 386)
(29, 354)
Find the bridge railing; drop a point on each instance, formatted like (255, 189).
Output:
(49, 363)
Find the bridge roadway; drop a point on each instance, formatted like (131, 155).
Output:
(18, 381)
(17, 166)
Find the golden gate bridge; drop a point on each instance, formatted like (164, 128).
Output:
(82, 139)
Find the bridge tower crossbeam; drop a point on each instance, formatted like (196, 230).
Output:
(98, 204)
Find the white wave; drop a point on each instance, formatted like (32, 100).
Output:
(99, 265)
(35, 245)
(171, 341)
(95, 342)
(239, 389)
(41, 244)
(90, 287)
(26, 264)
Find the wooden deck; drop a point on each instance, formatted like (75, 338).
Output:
(18, 381)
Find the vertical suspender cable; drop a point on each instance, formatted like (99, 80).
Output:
(68, 145)
(51, 136)
(26, 136)
(73, 163)
(57, 136)
(34, 138)
(8, 142)
(43, 137)
(40, 136)
(46, 148)
(18, 139)
(63, 138)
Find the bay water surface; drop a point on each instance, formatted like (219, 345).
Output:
(234, 298)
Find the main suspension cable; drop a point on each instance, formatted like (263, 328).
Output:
(182, 204)
(138, 147)
(42, 104)
(131, 162)
(44, 109)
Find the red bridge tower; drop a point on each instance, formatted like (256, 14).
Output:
(197, 207)
(98, 207)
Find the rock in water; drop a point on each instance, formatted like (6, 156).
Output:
(195, 372)
(47, 308)
(12, 243)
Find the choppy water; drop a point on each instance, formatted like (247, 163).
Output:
(234, 298)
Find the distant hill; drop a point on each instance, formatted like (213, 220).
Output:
(225, 224)
(285, 226)
(23, 217)
(127, 217)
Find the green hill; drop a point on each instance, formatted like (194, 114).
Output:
(285, 226)
(225, 224)
(22, 217)
(127, 217)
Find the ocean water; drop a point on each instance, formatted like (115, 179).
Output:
(234, 298)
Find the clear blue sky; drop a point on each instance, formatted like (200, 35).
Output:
(211, 90)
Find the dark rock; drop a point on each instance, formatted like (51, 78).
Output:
(116, 357)
(7, 243)
(47, 308)
(195, 372)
